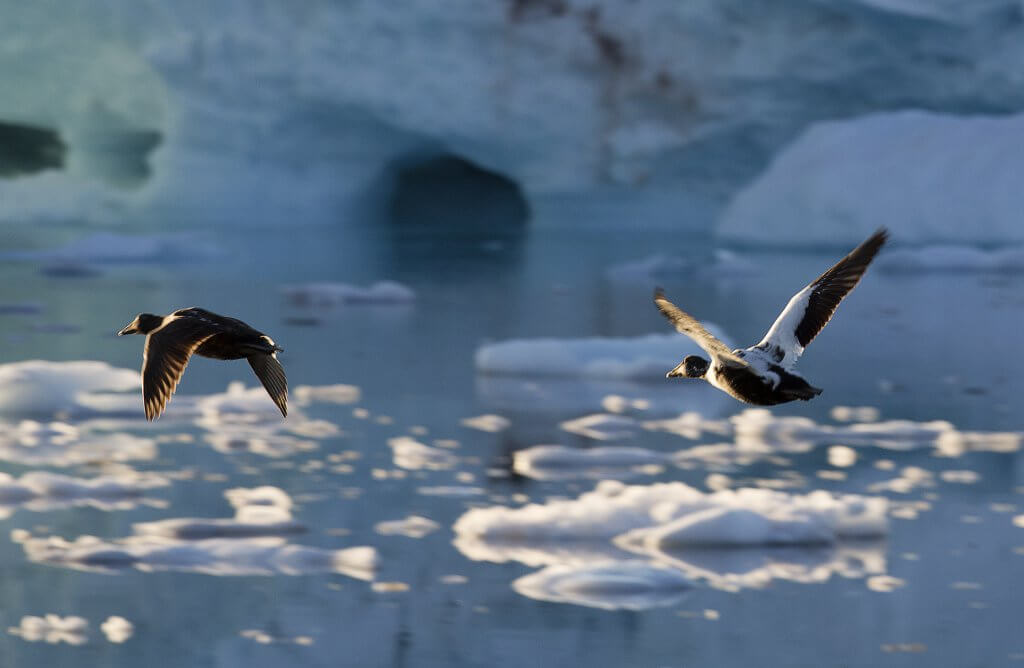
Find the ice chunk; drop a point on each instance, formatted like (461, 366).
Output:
(602, 426)
(211, 556)
(557, 462)
(412, 526)
(334, 294)
(410, 454)
(489, 422)
(644, 357)
(53, 629)
(332, 394)
(38, 387)
(939, 177)
(117, 629)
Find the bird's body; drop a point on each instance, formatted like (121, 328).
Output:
(172, 339)
(763, 373)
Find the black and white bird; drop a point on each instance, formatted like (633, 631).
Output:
(172, 339)
(763, 374)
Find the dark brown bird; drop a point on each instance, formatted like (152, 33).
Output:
(763, 374)
(172, 339)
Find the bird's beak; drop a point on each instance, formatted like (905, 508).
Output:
(128, 329)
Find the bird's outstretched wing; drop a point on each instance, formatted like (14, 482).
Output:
(164, 358)
(809, 310)
(271, 374)
(688, 325)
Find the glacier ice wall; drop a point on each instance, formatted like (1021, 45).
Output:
(250, 112)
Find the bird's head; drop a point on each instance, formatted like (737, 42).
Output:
(691, 367)
(144, 323)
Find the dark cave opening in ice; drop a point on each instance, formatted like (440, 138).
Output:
(453, 197)
(26, 149)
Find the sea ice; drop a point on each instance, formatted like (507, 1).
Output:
(42, 388)
(488, 422)
(334, 294)
(211, 556)
(412, 526)
(410, 454)
(260, 511)
(602, 426)
(558, 462)
(117, 629)
(42, 490)
(53, 629)
(940, 178)
(637, 358)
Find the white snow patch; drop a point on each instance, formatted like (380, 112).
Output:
(410, 454)
(602, 426)
(212, 556)
(932, 177)
(613, 509)
(42, 490)
(260, 511)
(334, 294)
(722, 264)
(627, 585)
(117, 629)
(53, 629)
(946, 259)
(729, 538)
(331, 394)
(757, 430)
(412, 526)
(63, 444)
(488, 422)
(640, 358)
(42, 388)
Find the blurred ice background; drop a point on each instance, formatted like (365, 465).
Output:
(452, 217)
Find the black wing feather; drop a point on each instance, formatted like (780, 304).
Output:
(271, 374)
(831, 287)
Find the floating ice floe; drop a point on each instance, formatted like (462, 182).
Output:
(108, 247)
(43, 388)
(412, 526)
(331, 394)
(643, 357)
(53, 629)
(42, 490)
(246, 420)
(489, 422)
(952, 259)
(260, 511)
(249, 544)
(610, 586)
(212, 556)
(753, 535)
(722, 263)
(333, 294)
(117, 629)
(410, 454)
(602, 427)
(558, 462)
(62, 444)
(759, 430)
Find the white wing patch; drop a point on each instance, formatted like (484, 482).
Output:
(781, 337)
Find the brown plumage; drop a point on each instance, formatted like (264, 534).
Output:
(171, 340)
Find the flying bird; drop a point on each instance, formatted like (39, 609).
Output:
(763, 374)
(172, 339)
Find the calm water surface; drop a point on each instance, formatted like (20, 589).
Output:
(914, 347)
